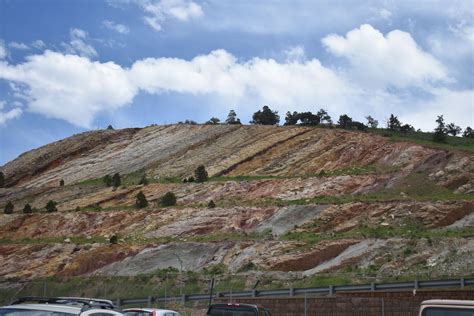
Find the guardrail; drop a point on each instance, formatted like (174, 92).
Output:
(290, 292)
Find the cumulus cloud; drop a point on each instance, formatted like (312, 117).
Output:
(69, 87)
(76, 89)
(380, 61)
(78, 44)
(119, 28)
(20, 46)
(157, 12)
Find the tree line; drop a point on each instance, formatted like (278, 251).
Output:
(267, 116)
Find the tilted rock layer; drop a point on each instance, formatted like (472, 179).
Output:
(291, 198)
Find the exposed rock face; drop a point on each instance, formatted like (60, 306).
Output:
(284, 214)
(176, 150)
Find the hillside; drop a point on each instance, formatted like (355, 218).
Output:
(302, 199)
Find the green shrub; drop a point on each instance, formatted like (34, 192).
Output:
(51, 206)
(201, 174)
(141, 200)
(211, 204)
(169, 199)
(9, 208)
(107, 180)
(113, 239)
(116, 181)
(27, 209)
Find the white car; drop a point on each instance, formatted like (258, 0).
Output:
(60, 306)
(447, 308)
(149, 312)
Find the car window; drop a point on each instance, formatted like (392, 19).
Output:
(439, 311)
(30, 312)
(137, 313)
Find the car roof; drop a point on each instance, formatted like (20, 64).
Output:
(235, 304)
(47, 307)
(449, 302)
(148, 310)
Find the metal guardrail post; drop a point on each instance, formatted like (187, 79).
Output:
(183, 299)
(462, 283)
(331, 290)
(254, 293)
(118, 302)
(292, 292)
(149, 301)
(416, 284)
(372, 286)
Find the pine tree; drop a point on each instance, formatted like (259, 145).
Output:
(393, 123)
(371, 122)
(107, 180)
(113, 239)
(265, 117)
(213, 121)
(232, 118)
(2, 180)
(9, 208)
(116, 181)
(468, 133)
(61, 183)
(201, 174)
(439, 135)
(141, 200)
(51, 206)
(345, 121)
(211, 204)
(27, 209)
(169, 199)
(453, 129)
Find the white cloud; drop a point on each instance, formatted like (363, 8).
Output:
(20, 46)
(76, 89)
(159, 11)
(38, 44)
(78, 44)
(9, 115)
(119, 28)
(257, 81)
(70, 87)
(456, 106)
(295, 53)
(3, 50)
(380, 61)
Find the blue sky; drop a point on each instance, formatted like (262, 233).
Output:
(71, 66)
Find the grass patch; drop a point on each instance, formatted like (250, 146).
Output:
(426, 139)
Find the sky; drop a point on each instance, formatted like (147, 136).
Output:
(69, 66)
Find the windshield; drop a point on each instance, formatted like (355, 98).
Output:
(30, 312)
(438, 311)
(231, 311)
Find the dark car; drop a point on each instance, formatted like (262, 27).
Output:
(235, 309)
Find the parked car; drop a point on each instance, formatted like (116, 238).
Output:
(447, 308)
(59, 306)
(149, 312)
(236, 309)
